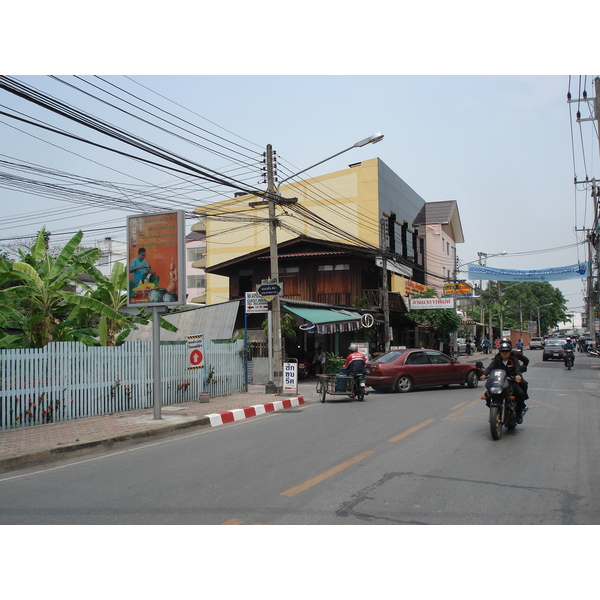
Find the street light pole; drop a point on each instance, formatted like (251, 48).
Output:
(274, 196)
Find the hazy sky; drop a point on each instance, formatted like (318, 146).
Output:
(505, 147)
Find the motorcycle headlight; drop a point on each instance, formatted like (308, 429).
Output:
(496, 390)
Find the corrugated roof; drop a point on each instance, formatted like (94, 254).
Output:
(216, 322)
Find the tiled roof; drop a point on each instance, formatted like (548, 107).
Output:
(436, 212)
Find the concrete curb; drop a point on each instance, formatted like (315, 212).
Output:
(239, 414)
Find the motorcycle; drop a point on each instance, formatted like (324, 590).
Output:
(503, 406)
(359, 387)
(569, 359)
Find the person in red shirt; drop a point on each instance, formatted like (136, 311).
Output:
(356, 362)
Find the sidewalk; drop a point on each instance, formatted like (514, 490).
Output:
(54, 441)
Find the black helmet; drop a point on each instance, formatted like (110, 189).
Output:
(507, 341)
(505, 347)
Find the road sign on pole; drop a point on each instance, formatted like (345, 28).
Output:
(268, 291)
(255, 303)
(195, 348)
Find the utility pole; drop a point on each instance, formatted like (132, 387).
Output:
(385, 287)
(594, 238)
(275, 385)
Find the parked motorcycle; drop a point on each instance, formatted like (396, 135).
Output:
(593, 352)
(503, 406)
(569, 359)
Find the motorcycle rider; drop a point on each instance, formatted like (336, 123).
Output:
(356, 362)
(506, 361)
(355, 365)
(569, 345)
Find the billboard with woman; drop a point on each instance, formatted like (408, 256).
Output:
(156, 259)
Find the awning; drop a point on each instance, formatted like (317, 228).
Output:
(328, 320)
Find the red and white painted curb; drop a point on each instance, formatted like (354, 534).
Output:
(239, 414)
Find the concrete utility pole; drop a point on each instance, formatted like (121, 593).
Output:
(275, 304)
(385, 287)
(592, 299)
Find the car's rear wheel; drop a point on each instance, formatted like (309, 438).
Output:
(403, 384)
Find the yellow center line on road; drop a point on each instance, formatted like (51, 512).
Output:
(457, 412)
(308, 484)
(411, 430)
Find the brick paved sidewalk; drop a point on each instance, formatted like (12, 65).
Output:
(30, 445)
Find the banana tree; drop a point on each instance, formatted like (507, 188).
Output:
(40, 303)
(111, 292)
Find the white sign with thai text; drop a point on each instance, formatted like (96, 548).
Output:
(429, 303)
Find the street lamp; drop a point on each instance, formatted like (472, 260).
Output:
(274, 197)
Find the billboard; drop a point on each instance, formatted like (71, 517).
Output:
(156, 259)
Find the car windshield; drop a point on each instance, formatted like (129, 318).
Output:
(555, 342)
(389, 357)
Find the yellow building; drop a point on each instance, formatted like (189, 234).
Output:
(366, 204)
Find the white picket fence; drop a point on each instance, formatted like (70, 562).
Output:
(70, 380)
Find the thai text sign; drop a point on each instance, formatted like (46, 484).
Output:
(256, 303)
(429, 303)
(462, 289)
(195, 350)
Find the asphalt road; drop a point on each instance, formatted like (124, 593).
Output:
(420, 458)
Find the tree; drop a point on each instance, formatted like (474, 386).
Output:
(41, 304)
(111, 292)
(519, 303)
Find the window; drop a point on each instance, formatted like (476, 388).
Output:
(437, 358)
(196, 281)
(340, 267)
(417, 358)
(194, 254)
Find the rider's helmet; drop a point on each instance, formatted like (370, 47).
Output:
(505, 347)
(353, 348)
(568, 339)
(507, 341)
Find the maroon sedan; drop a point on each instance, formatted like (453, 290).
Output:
(403, 370)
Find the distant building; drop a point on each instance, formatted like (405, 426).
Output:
(195, 262)
(111, 251)
(439, 223)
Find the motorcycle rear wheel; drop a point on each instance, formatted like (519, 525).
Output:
(360, 392)
(495, 422)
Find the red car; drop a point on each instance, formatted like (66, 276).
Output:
(403, 370)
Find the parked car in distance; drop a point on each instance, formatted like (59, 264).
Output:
(553, 349)
(536, 343)
(403, 370)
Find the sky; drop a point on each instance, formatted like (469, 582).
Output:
(506, 148)
(467, 115)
